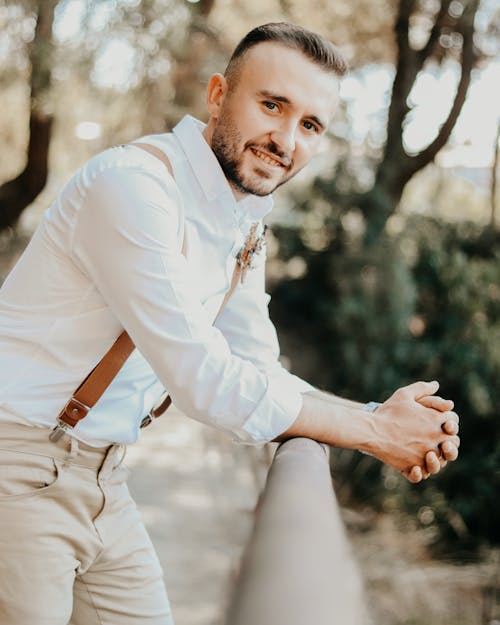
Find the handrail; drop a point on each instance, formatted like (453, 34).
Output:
(298, 568)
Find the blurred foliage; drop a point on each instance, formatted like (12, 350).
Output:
(421, 301)
(422, 304)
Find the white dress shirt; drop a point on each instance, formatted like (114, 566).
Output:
(107, 256)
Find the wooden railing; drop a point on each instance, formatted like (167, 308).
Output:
(298, 568)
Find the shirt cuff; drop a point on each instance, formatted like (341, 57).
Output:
(277, 410)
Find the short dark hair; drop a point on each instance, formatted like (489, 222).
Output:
(313, 46)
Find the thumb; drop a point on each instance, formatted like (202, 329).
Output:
(417, 390)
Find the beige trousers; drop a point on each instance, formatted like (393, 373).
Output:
(73, 548)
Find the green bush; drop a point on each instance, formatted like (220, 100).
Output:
(420, 305)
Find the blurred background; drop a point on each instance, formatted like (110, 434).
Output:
(384, 253)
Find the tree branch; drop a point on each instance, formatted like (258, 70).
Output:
(466, 27)
(406, 73)
(435, 33)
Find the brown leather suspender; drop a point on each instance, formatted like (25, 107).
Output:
(93, 386)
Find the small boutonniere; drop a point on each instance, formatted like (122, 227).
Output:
(253, 245)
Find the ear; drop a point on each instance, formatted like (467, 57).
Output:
(216, 92)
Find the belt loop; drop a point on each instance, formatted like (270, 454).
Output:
(74, 449)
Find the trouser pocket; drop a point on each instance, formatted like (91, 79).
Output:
(23, 474)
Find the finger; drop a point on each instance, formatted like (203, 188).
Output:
(414, 475)
(449, 415)
(450, 427)
(442, 417)
(442, 460)
(417, 473)
(436, 402)
(449, 451)
(417, 390)
(432, 462)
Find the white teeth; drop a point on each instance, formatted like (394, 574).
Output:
(267, 159)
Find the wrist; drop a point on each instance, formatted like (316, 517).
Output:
(356, 429)
(369, 443)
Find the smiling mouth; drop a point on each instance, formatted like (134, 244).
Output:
(267, 158)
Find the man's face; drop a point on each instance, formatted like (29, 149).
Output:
(269, 124)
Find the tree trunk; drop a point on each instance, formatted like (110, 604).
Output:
(17, 194)
(397, 167)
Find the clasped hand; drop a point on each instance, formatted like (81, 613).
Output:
(418, 431)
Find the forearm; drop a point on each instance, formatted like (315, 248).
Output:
(336, 400)
(400, 433)
(333, 420)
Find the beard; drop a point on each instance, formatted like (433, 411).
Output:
(226, 140)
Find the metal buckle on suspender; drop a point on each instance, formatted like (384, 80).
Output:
(158, 408)
(146, 420)
(75, 407)
(60, 428)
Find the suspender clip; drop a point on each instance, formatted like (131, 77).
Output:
(61, 428)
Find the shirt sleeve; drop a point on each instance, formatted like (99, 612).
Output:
(251, 335)
(126, 240)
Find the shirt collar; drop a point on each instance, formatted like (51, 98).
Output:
(209, 173)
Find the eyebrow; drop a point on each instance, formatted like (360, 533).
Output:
(281, 98)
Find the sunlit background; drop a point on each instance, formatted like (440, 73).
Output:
(384, 254)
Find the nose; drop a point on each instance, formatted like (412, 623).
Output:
(285, 137)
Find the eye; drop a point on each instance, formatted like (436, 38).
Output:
(272, 106)
(310, 126)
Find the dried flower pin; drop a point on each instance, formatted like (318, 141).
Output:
(253, 245)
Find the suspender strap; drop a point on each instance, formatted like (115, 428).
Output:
(97, 381)
(234, 283)
(92, 388)
(155, 152)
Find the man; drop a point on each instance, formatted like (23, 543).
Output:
(128, 246)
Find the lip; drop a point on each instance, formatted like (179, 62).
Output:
(269, 159)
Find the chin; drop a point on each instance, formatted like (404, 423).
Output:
(262, 184)
(251, 185)
(262, 189)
